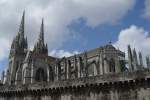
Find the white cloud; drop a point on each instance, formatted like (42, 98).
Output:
(62, 53)
(137, 37)
(58, 15)
(5, 44)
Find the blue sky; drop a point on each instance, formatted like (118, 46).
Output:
(103, 34)
(73, 26)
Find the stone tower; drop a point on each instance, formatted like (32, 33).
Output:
(35, 65)
(40, 47)
(18, 50)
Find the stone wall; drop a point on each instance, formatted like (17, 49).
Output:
(121, 86)
(137, 94)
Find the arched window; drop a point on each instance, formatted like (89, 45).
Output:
(92, 68)
(40, 75)
(112, 65)
(17, 65)
(51, 76)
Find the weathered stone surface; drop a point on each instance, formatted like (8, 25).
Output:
(98, 74)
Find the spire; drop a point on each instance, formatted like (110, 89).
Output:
(140, 59)
(22, 40)
(41, 36)
(21, 28)
(19, 43)
(135, 61)
(26, 43)
(40, 46)
(130, 58)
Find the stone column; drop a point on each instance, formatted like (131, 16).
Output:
(75, 66)
(81, 67)
(59, 70)
(18, 76)
(65, 65)
(78, 66)
(111, 95)
(101, 64)
(114, 95)
(117, 65)
(100, 95)
(32, 73)
(56, 70)
(85, 69)
(48, 74)
(105, 66)
(27, 75)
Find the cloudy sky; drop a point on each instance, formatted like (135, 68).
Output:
(73, 26)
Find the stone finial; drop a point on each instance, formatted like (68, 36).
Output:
(130, 58)
(140, 59)
(135, 61)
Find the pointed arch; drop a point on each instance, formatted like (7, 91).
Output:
(40, 75)
(51, 73)
(92, 68)
(112, 65)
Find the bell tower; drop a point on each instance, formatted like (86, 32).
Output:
(18, 51)
(40, 47)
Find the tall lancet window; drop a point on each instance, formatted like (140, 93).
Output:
(40, 75)
(111, 65)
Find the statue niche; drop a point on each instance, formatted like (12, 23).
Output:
(40, 75)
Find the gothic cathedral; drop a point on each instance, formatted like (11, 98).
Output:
(99, 74)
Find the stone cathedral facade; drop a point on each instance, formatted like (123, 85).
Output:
(99, 74)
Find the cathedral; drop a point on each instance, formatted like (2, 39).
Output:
(99, 74)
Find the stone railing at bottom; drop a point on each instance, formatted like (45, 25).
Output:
(100, 79)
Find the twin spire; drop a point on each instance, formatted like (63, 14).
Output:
(21, 28)
(20, 42)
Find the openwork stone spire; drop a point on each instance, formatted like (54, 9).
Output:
(41, 47)
(41, 36)
(19, 43)
(21, 28)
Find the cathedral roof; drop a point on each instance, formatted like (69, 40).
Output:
(109, 46)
